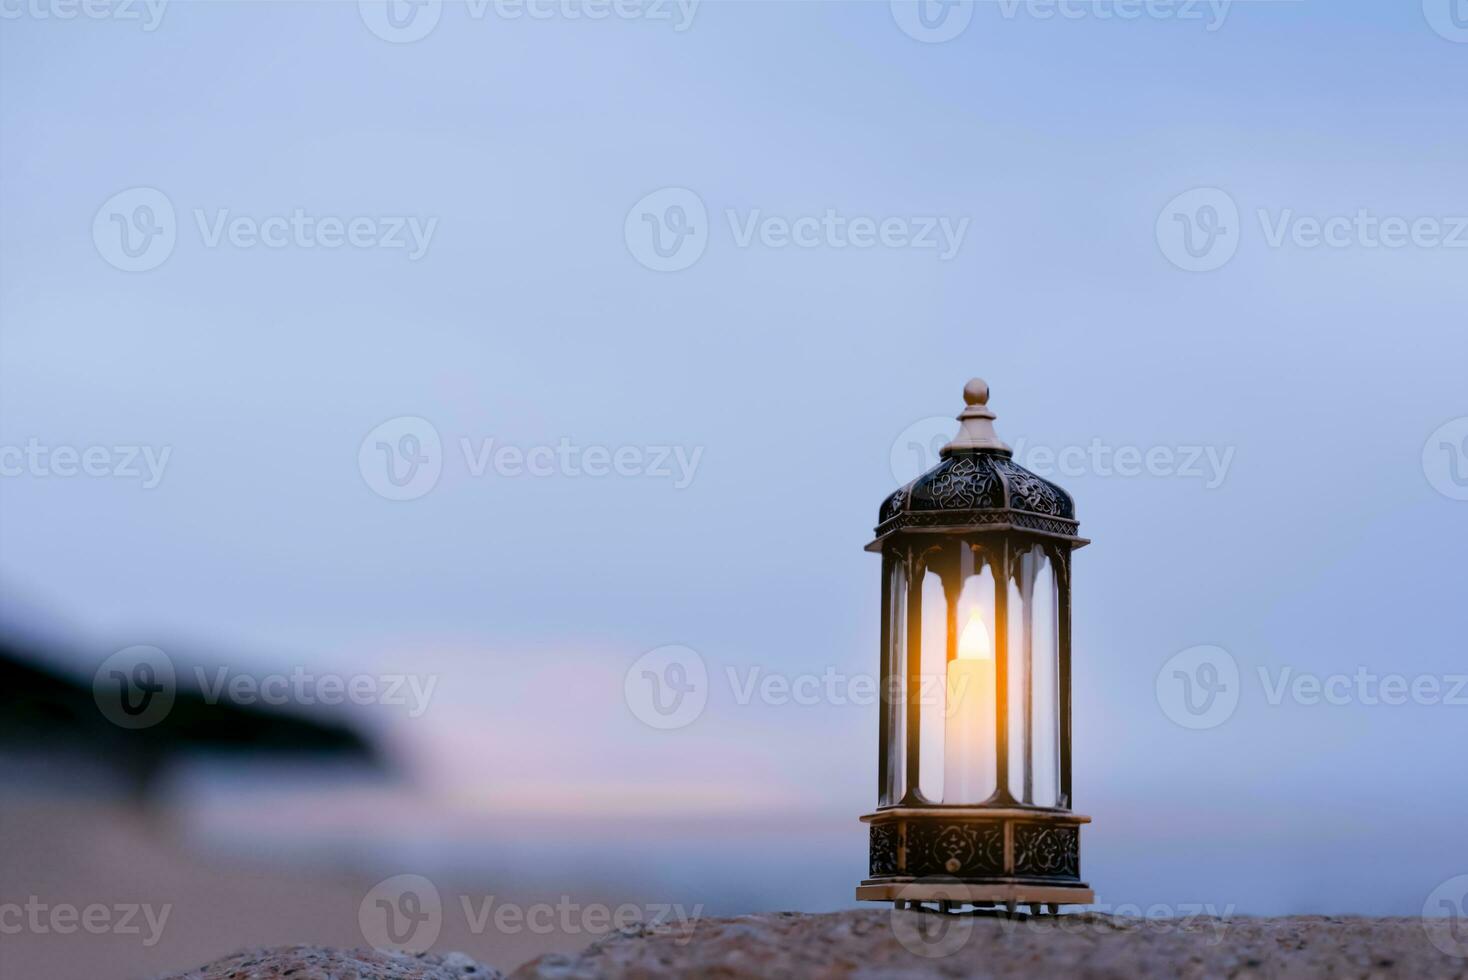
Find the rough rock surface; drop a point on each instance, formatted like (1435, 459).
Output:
(883, 944)
(318, 963)
(879, 944)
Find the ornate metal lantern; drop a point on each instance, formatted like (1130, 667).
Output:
(974, 752)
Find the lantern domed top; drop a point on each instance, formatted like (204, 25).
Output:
(978, 486)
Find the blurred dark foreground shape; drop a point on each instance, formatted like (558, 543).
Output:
(52, 731)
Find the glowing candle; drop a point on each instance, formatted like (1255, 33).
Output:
(969, 757)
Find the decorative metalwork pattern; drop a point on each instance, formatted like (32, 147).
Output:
(1042, 851)
(968, 849)
(1052, 525)
(959, 483)
(1028, 492)
(978, 489)
(978, 519)
(894, 504)
(883, 849)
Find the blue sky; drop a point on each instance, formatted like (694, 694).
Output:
(1057, 143)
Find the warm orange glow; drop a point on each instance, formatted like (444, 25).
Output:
(973, 642)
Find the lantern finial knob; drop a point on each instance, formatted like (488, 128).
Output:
(976, 392)
(976, 433)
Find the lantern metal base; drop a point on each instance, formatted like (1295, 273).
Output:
(983, 896)
(980, 856)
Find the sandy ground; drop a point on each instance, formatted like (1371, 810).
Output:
(62, 854)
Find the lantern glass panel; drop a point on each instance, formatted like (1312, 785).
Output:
(932, 661)
(894, 685)
(1034, 679)
(970, 723)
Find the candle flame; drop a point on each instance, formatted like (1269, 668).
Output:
(973, 642)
